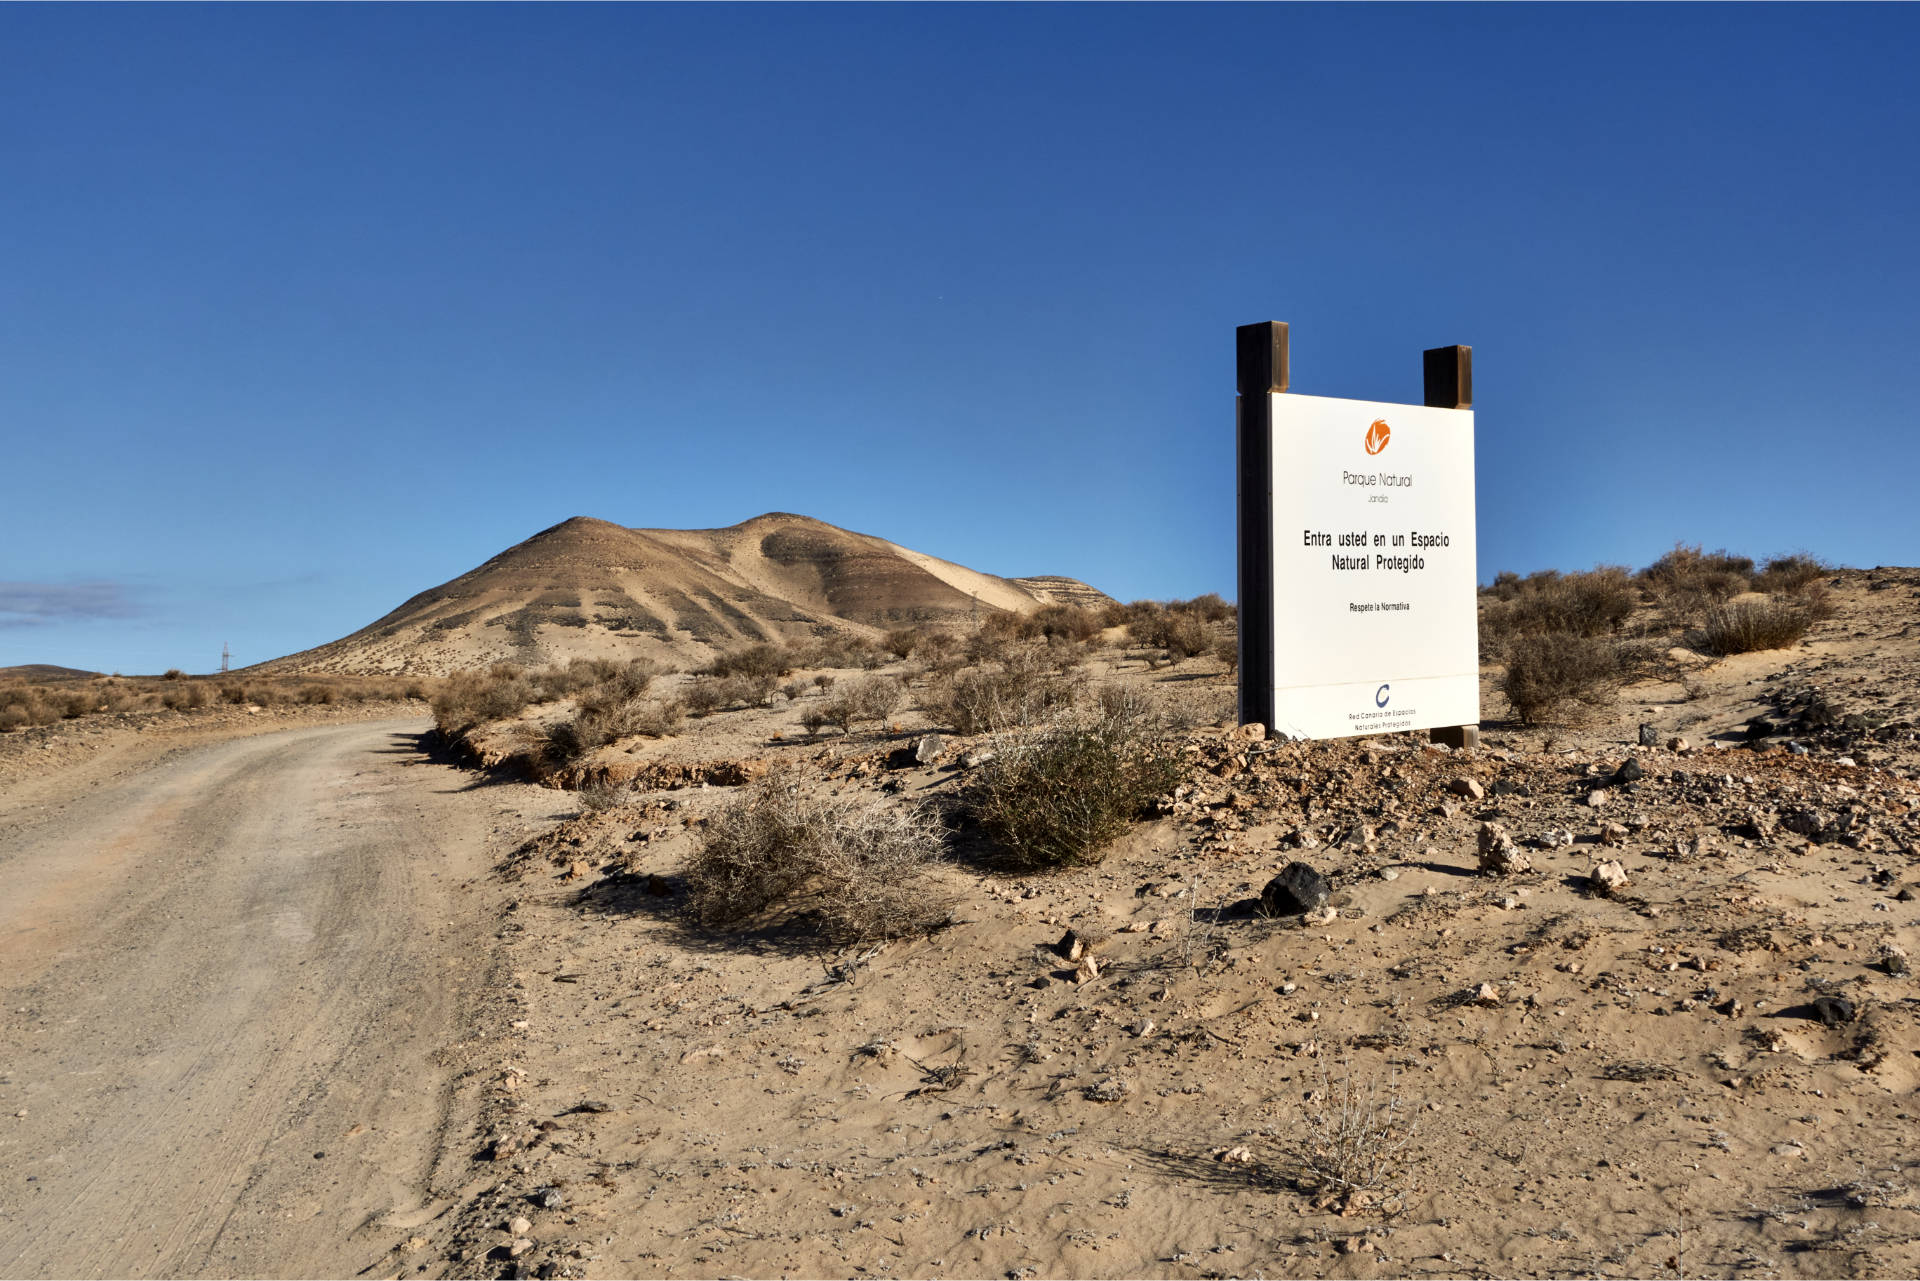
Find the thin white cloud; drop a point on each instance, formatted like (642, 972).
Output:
(37, 604)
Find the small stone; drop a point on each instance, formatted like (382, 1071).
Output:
(548, 1198)
(1608, 878)
(1234, 1156)
(1612, 833)
(1072, 946)
(1598, 798)
(1893, 959)
(1678, 745)
(520, 1226)
(1630, 771)
(1467, 787)
(519, 1247)
(977, 757)
(1087, 970)
(1108, 1090)
(1297, 890)
(1389, 874)
(926, 748)
(1498, 854)
(1834, 1011)
(1322, 916)
(1486, 994)
(1649, 736)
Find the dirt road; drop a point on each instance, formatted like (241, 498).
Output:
(231, 978)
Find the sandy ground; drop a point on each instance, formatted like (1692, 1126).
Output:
(1647, 1085)
(227, 951)
(236, 975)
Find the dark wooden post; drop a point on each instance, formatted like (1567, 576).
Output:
(1449, 372)
(1449, 379)
(1261, 357)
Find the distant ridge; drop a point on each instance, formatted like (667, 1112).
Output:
(590, 588)
(42, 672)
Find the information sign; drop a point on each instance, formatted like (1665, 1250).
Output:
(1374, 619)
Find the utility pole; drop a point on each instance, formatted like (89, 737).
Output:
(226, 657)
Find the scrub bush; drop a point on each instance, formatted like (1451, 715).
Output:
(1546, 672)
(844, 869)
(1058, 796)
(1748, 625)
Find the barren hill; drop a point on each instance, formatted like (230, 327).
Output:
(592, 588)
(42, 672)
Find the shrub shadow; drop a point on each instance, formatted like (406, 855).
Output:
(663, 899)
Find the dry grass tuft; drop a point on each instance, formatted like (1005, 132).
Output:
(1353, 1139)
(1748, 625)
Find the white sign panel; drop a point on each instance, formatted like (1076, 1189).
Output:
(1374, 584)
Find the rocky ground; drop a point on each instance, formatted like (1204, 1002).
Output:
(1631, 998)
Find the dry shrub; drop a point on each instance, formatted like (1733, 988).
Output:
(833, 649)
(601, 795)
(1227, 650)
(747, 689)
(1594, 603)
(1790, 575)
(1068, 621)
(1186, 635)
(192, 694)
(1146, 623)
(1024, 690)
(1548, 671)
(468, 699)
(605, 714)
(901, 642)
(703, 696)
(1748, 625)
(1008, 625)
(1210, 608)
(1688, 581)
(1058, 796)
(864, 698)
(763, 661)
(612, 678)
(1350, 1148)
(1181, 628)
(848, 870)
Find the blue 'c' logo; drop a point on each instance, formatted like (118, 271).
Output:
(1380, 696)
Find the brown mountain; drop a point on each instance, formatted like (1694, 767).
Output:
(589, 588)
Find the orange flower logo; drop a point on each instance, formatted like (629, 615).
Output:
(1378, 435)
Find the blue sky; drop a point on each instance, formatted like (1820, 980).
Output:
(306, 309)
